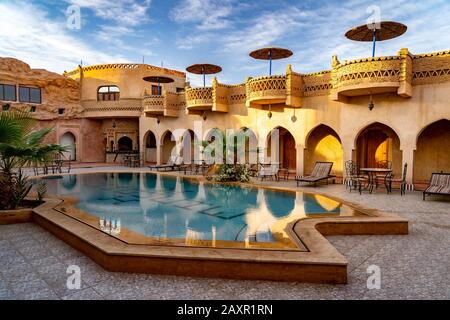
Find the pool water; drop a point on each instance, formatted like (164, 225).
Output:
(189, 212)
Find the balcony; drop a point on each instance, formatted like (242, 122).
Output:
(167, 105)
(370, 76)
(266, 90)
(199, 99)
(153, 105)
(125, 108)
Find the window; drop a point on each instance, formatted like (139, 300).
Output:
(108, 93)
(27, 94)
(33, 109)
(180, 90)
(7, 92)
(6, 107)
(61, 111)
(156, 91)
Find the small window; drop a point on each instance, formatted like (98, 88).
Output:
(180, 90)
(33, 109)
(5, 107)
(27, 94)
(156, 91)
(108, 93)
(61, 111)
(7, 92)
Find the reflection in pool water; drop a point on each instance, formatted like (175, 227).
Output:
(165, 207)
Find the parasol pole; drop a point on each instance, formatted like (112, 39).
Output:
(204, 77)
(270, 62)
(374, 42)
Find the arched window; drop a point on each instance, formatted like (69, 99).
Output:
(108, 93)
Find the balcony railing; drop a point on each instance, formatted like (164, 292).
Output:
(109, 109)
(266, 90)
(153, 105)
(367, 76)
(199, 98)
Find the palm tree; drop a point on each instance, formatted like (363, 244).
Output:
(20, 145)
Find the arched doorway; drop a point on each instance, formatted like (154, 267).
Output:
(287, 155)
(214, 147)
(150, 147)
(323, 144)
(68, 140)
(189, 147)
(167, 146)
(125, 144)
(432, 151)
(378, 143)
(245, 148)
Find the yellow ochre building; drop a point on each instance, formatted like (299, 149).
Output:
(104, 110)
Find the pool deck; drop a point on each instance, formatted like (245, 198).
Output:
(412, 266)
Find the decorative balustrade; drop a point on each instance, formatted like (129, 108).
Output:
(106, 109)
(368, 76)
(266, 90)
(168, 104)
(153, 104)
(199, 98)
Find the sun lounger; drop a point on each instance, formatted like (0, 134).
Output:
(171, 164)
(321, 171)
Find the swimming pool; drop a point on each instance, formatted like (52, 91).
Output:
(148, 208)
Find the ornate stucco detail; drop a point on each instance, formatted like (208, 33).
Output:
(406, 73)
(431, 68)
(199, 98)
(266, 90)
(294, 88)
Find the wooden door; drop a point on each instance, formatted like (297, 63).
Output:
(289, 152)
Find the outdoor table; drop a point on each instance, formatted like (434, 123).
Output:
(372, 176)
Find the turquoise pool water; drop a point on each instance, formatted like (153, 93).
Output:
(166, 207)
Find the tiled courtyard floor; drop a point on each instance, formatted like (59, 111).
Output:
(415, 266)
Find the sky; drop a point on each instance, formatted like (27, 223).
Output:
(178, 33)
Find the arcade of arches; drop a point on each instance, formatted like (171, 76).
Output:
(374, 144)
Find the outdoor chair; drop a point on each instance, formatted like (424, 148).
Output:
(439, 185)
(382, 164)
(321, 171)
(389, 180)
(352, 176)
(268, 171)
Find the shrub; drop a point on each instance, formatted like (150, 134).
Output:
(232, 172)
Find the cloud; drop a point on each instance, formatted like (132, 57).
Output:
(44, 43)
(206, 14)
(267, 29)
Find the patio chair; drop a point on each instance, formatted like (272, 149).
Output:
(390, 179)
(268, 171)
(321, 171)
(439, 185)
(352, 174)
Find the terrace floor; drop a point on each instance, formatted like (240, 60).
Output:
(415, 266)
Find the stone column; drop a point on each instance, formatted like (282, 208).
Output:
(159, 151)
(347, 150)
(300, 150)
(408, 157)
